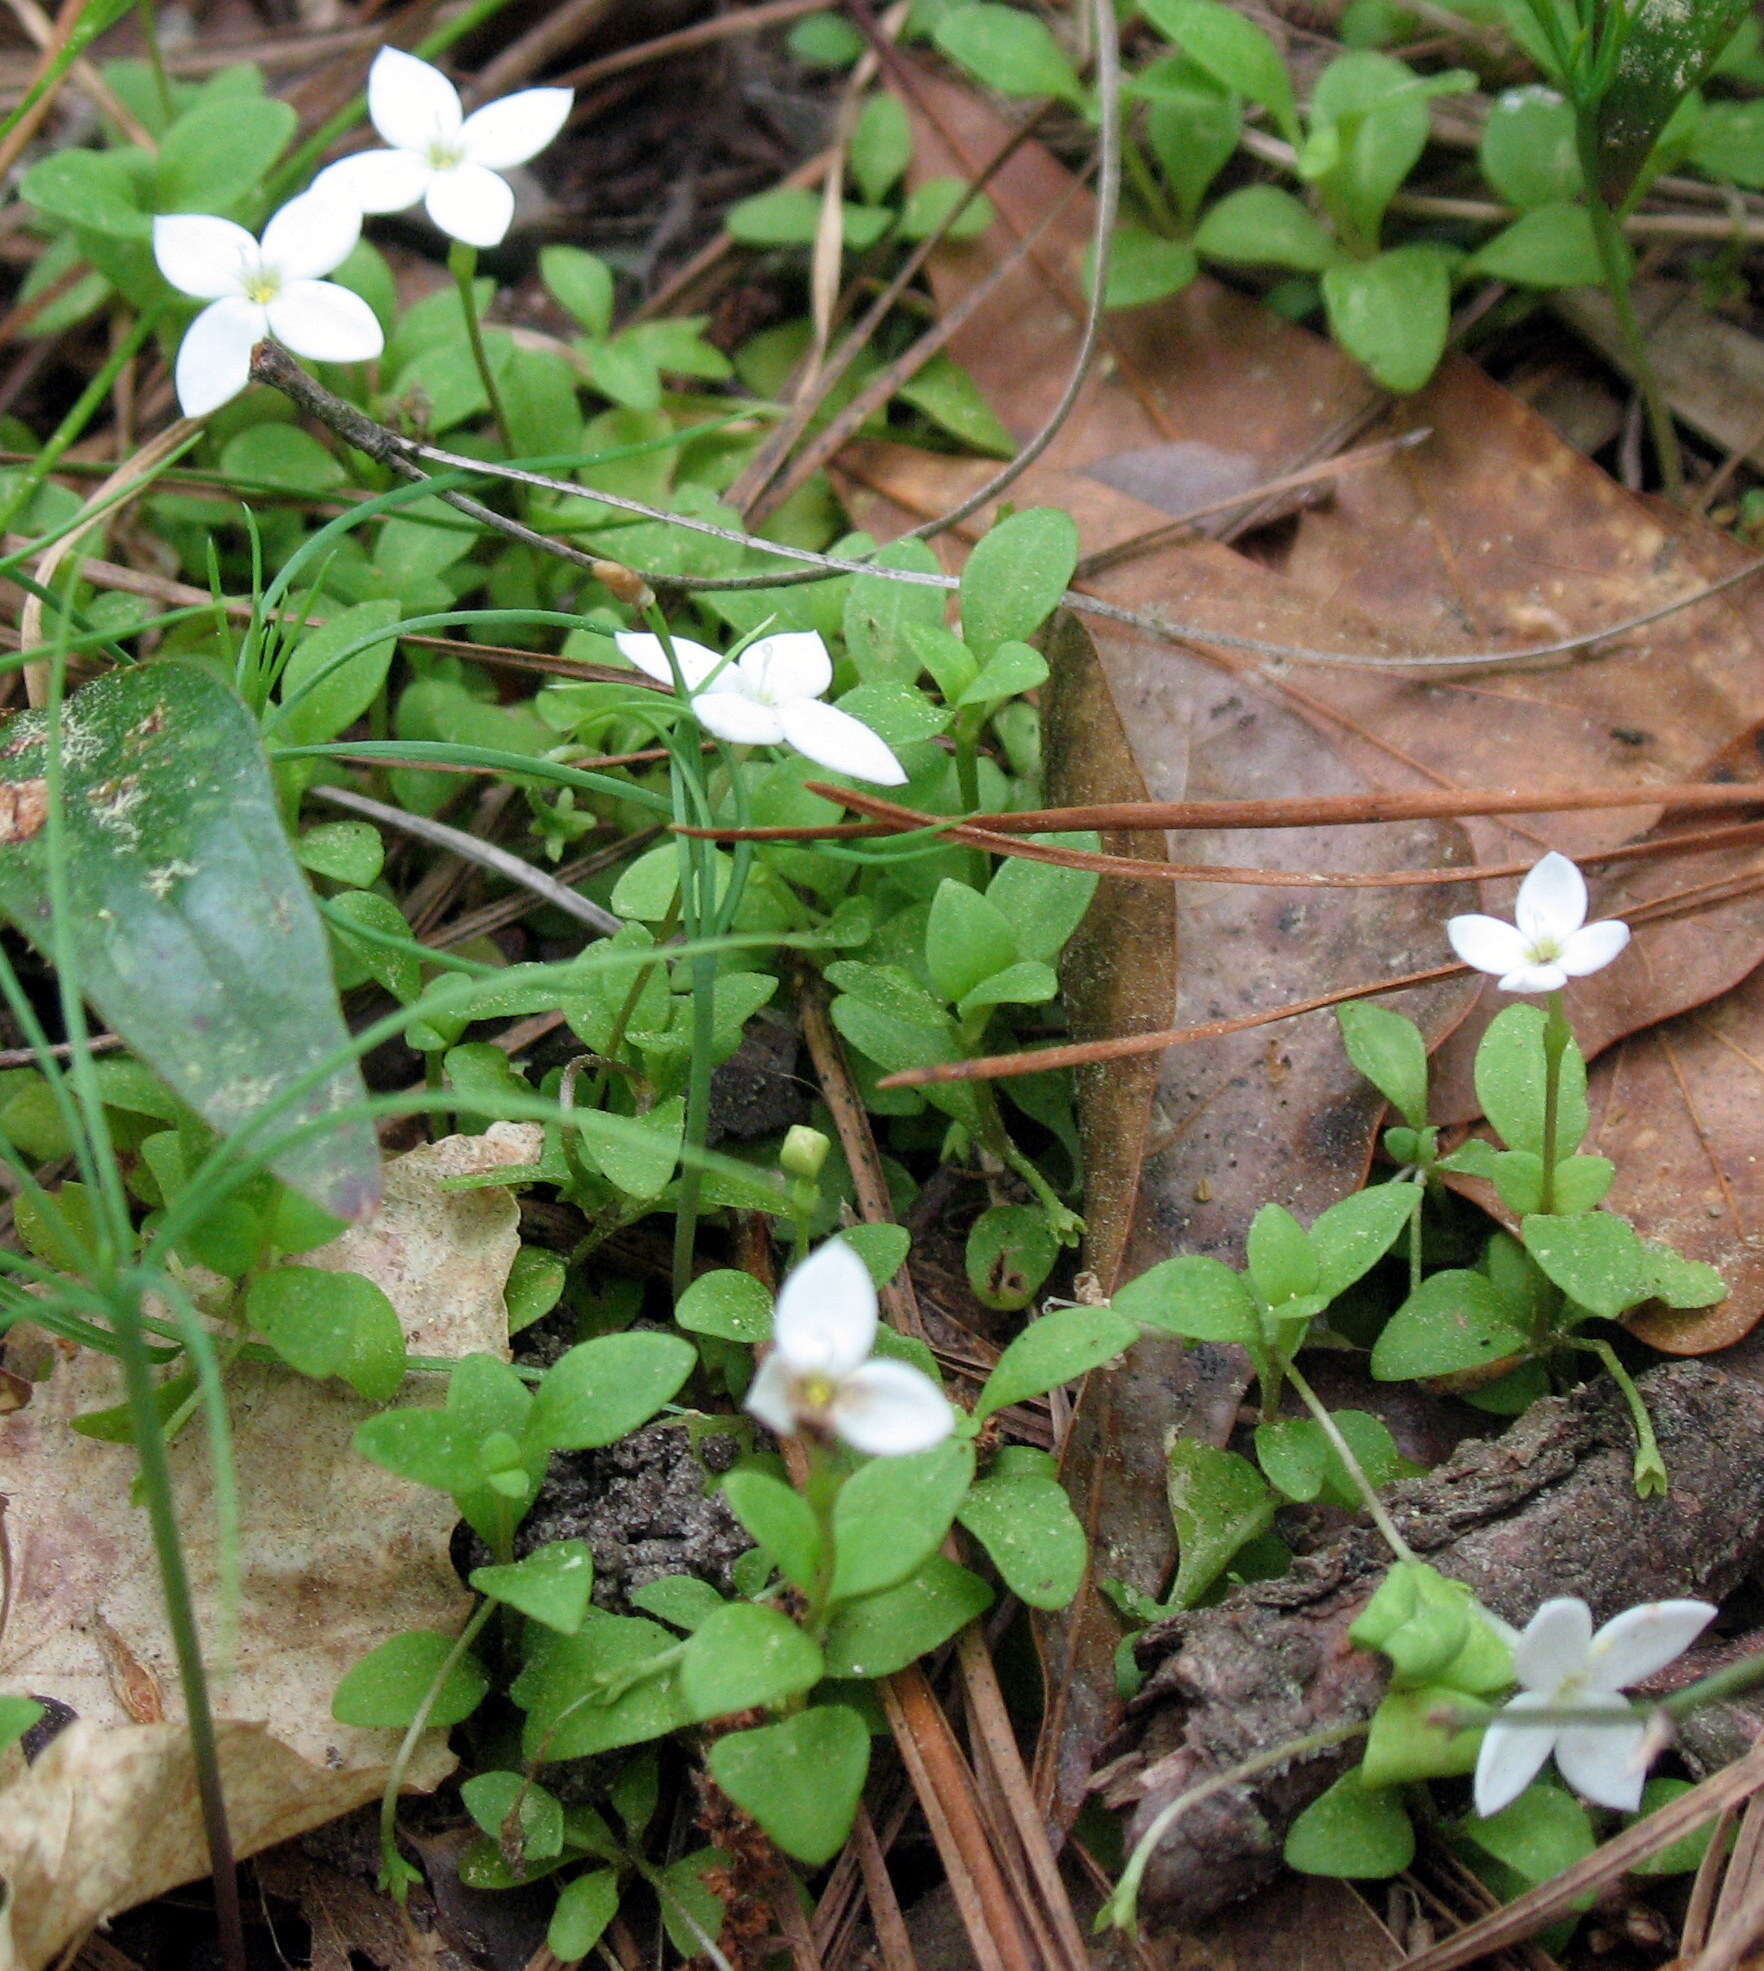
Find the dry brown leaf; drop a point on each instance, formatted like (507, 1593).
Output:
(335, 1555)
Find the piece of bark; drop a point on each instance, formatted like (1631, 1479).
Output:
(1548, 1509)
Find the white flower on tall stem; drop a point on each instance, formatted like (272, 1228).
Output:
(820, 1374)
(1550, 942)
(769, 696)
(256, 289)
(1562, 1665)
(439, 154)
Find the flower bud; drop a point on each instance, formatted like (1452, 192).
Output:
(804, 1152)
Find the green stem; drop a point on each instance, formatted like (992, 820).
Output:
(1355, 1470)
(397, 1871)
(156, 60)
(1651, 1481)
(1556, 1036)
(462, 264)
(1613, 252)
(1121, 1911)
(156, 1483)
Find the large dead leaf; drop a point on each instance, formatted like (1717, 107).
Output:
(335, 1555)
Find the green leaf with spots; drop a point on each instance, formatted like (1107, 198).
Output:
(191, 928)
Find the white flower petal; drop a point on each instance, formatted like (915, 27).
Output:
(375, 181)
(791, 664)
(1488, 944)
(1551, 901)
(1554, 1644)
(471, 204)
(325, 322)
(1533, 978)
(310, 236)
(768, 1396)
(1592, 947)
(1600, 1761)
(733, 716)
(647, 652)
(214, 359)
(889, 1409)
(1512, 1754)
(413, 105)
(1634, 1645)
(518, 127)
(202, 255)
(837, 741)
(825, 1321)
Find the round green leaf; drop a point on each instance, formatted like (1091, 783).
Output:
(1354, 1831)
(327, 1322)
(387, 1687)
(604, 1389)
(743, 1655)
(1058, 1347)
(800, 1779)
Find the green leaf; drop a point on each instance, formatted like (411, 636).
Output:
(942, 205)
(97, 191)
(882, 1248)
(1043, 903)
(552, 1585)
(781, 1520)
(1551, 247)
(1231, 49)
(191, 928)
(1195, 1296)
(1540, 1836)
(878, 613)
(1370, 113)
(282, 455)
(602, 1390)
(1389, 1051)
(346, 851)
(624, 372)
(492, 1798)
(374, 942)
(1012, 668)
(1728, 143)
(1595, 1257)
(1144, 266)
(1668, 50)
(1262, 226)
(950, 397)
(1057, 1348)
(1453, 1321)
(214, 155)
(800, 1779)
(1408, 1741)
(583, 1910)
(1016, 575)
(320, 695)
(1027, 1525)
(581, 283)
(1434, 1632)
(967, 939)
(1282, 1264)
(387, 1687)
(1010, 1251)
(790, 216)
(894, 1512)
(885, 1632)
(1510, 1083)
(881, 146)
(327, 1322)
(534, 1286)
(681, 1600)
(1680, 1857)
(743, 1655)
(1358, 1832)
(1218, 1501)
(1392, 312)
(728, 1303)
(1297, 1458)
(590, 1692)
(1528, 151)
(17, 1716)
(1008, 50)
(428, 1447)
(1678, 1281)
(1350, 1238)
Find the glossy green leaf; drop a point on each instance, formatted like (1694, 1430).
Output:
(728, 1303)
(1058, 1347)
(192, 928)
(1355, 1831)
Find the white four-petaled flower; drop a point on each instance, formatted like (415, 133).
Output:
(769, 696)
(1562, 1665)
(256, 289)
(439, 154)
(820, 1373)
(1550, 941)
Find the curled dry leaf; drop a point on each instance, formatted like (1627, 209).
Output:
(335, 1555)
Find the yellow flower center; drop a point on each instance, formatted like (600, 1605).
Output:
(445, 156)
(815, 1392)
(263, 286)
